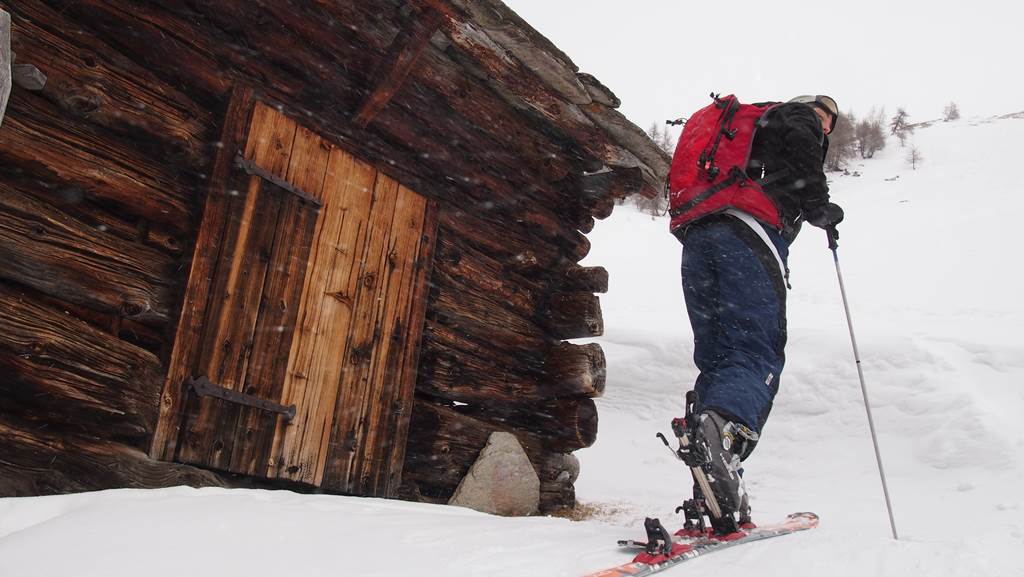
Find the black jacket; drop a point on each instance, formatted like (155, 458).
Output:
(789, 152)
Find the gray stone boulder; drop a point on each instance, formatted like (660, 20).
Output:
(502, 481)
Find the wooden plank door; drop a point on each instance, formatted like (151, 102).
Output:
(315, 304)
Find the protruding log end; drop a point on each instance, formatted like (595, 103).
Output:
(576, 370)
(575, 316)
(592, 279)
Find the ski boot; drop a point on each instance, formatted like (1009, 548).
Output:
(713, 447)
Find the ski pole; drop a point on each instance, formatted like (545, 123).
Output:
(833, 245)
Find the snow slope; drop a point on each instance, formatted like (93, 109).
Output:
(934, 280)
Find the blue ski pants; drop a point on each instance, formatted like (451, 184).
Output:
(735, 297)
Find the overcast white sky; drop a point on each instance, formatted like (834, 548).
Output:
(663, 57)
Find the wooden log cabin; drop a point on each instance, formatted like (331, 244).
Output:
(325, 245)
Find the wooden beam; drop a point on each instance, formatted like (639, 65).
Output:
(396, 64)
(575, 316)
(618, 183)
(576, 370)
(55, 365)
(38, 460)
(593, 279)
(111, 171)
(44, 248)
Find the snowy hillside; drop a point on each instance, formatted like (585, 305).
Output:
(931, 266)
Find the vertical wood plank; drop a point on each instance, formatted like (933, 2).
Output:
(365, 340)
(408, 370)
(271, 139)
(254, 433)
(374, 409)
(394, 399)
(192, 318)
(325, 310)
(231, 324)
(308, 165)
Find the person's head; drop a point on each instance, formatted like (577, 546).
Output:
(825, 107)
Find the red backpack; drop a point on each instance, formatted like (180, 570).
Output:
(708, 173)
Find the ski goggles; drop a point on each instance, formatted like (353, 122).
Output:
(826, 103)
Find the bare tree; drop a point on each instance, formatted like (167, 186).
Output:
(870, 135)
(899, 127)
(951, 112)
(914, 157)
(662, 137)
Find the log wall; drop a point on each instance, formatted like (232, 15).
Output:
(105, 173)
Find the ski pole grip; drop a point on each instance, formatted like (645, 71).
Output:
(833, 237)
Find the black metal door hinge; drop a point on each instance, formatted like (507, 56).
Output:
(203, 387)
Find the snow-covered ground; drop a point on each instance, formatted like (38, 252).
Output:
(931, 266)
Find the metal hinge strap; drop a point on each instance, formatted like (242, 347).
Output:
(203, 387)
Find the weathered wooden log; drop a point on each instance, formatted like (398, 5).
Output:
(505, 242)
(654, 162)
(577, 250)
(152, 339)
(575, 315)
(592, 279)
(47, 250)
(154, 41)
(563, 425)
(90, 81)
(38, 460)
(610, 184)
(536, 52)
(598, 92)
(105, 168)
(576, 370)
(524, 263)
(462, 308)
(477, 270)
(99, 382)
(73, 203)
(396, 64)
(457, 376)
(456, 367)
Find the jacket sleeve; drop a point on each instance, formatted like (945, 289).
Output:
(803, 152)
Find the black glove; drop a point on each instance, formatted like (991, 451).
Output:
(825, 216)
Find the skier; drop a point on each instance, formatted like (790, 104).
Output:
(734, 275)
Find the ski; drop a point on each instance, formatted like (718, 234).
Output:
(688, 545)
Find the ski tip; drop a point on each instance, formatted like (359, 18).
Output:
(806, 518)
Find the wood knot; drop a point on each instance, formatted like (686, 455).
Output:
(369, 280)
(131, 309)
(83, 104)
